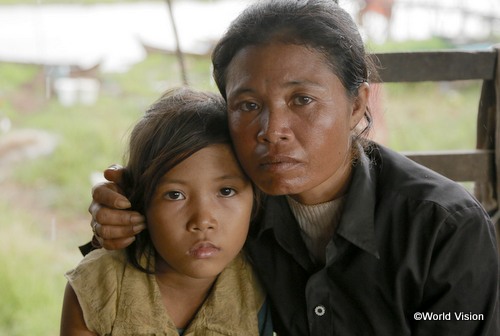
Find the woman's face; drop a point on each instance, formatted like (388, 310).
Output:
(291, 119)
(199, 215)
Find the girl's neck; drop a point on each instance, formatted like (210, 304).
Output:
(182, 296)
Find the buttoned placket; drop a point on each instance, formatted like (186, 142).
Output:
(319, 310)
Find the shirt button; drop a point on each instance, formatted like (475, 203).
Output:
(320, 310)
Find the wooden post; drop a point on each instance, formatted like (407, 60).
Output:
(178, 51)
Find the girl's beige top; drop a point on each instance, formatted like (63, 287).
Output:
(117, 299)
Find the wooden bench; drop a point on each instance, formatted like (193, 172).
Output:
(480, 165)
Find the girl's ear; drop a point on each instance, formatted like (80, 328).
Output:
(359, 105)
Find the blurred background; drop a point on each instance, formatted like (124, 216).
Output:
(76, 75)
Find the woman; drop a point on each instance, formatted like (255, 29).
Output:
(355, 239)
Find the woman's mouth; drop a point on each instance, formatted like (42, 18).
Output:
(278, 163)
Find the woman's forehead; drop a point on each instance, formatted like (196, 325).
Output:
(277, 65)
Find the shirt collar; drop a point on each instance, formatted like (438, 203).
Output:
(357, 224)
(279, 220)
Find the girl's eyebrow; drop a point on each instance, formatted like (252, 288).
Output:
(166, 180)
(232, 177)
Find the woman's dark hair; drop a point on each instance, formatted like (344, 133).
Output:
(180, 123)
(317, 24)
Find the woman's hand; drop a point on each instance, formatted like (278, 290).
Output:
(113, 225)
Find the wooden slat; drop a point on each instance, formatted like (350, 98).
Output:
(435, 66)
(461, 166)
(487, 137)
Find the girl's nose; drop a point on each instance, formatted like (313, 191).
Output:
(202, 218)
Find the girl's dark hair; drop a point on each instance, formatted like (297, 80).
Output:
(317, 24)
(180, 123)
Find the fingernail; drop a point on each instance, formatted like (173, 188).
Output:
(113, 167)
(139, 228)
(123, 204)
(137, 219)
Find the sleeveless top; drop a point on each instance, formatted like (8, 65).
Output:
(117, 299)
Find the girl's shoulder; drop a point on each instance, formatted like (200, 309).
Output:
(97, 282)
(98, 263)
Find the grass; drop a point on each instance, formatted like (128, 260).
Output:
(31, 282)
(41, 227)
(435, 116)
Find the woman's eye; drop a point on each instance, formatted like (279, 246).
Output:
(248, 106)
(174, 195)
(302, 100)
(227, 192)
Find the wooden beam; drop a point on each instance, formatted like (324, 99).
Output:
(461, 166)
(435, 66)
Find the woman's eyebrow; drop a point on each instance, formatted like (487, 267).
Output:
(300, 82)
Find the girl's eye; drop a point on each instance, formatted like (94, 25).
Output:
(302, 100)
(227, 192)
(174, 196)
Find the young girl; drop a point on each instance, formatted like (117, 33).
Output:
(185, 274)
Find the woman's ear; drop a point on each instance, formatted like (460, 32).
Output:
(359, 105)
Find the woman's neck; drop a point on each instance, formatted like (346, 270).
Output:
(332, 188)
(317, 225)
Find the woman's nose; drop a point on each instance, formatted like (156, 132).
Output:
(275, 125)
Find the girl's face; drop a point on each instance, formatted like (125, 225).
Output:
(291, 119)
(199, 215)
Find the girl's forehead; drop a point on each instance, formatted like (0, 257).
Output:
(209, 162)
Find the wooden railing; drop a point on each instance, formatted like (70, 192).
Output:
(480, 165)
